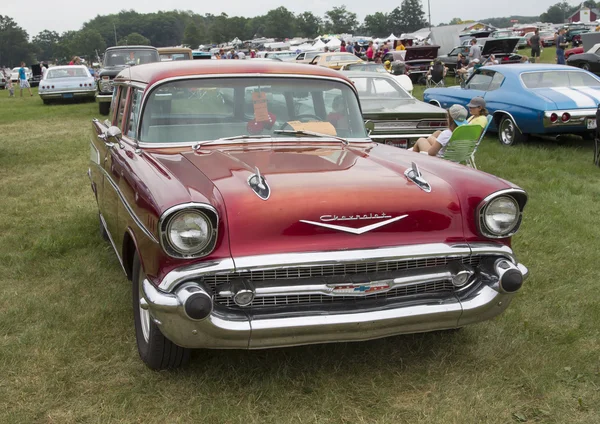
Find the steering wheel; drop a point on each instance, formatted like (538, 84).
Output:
(306, 117)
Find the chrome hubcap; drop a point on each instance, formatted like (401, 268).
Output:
(508, 131)
(144, 314)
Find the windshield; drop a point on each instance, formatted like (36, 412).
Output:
(167, 57)
(130, 57)
(367, 68)
(553, 79)
(209, 109)
(379, 87)
(341, 58)
(66, 73)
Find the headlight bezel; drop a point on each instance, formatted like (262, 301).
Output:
(518, 196)
(204, 210)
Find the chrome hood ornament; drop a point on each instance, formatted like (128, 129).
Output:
(358, 231)
(259, 185)
(414, 175)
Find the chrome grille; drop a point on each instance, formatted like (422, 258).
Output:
(343, 269)
(436, 287)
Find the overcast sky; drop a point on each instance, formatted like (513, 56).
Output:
(64, 15)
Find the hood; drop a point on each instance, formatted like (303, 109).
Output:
(499, 46)
(111, 71)
(36, 69)
(421, 53)
(379, 106)
(314, 186)
(570, 97)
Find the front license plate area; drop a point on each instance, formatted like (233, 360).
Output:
(591, 124)
(67, 96)
(397, 142)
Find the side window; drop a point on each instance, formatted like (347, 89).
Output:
(114, 102)
(480, 80)
(497, 81)
(300, 56)
(134, 112)
(121, 107)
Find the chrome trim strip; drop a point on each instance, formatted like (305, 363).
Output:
(482, 205)
(274, 140)
(578, 117)
(136, 219)
(191, 205)
(400, 136)
(358, 231)
(112, 243)
(309, 259)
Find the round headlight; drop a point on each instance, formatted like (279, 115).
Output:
(501, 215)
(189, 232)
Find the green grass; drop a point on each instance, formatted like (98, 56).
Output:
(67, 346)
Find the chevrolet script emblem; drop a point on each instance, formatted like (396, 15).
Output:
(360, 230)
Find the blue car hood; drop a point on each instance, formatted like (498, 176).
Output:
(570, 97)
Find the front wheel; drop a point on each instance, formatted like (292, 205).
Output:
(157, 352)
(104, 108)
(508, 133)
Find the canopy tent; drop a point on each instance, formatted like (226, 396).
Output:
(319, 45)
(236, 41)
(392, 37)
(447, 37)
(304, 47)
(334, 43)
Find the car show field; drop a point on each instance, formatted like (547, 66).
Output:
(68, 350)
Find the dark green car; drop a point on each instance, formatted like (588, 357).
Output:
(398, 119)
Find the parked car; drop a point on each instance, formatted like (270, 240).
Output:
(14, 75)
(503, 33)
(503, 50)
(115, 60)
(590, 60)
(529, 99)
(450, 60)
(335, 60)
(247, 226)
(575, 30)
(36, 74)
(306, 57)
(201, 55)
(417, 60)
(548, 38)
(3, 79)
(284, 56)
(575, 50)
(403, 80)
(398, 118)
(168, 54)
(67, 82)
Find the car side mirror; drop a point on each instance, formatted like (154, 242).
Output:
(112, 136)
(369, 126)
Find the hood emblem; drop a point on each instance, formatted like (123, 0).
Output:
(259, 185)
(351, 230)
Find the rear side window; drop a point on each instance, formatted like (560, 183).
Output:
(134, 113)
(553, 79)
(496, 82)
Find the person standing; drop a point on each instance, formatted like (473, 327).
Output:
(350, 47)
(535, 44)
(474, 51)
(23, 83)
(357, 49)
(343, 47)
(561, 43)
(370, 53)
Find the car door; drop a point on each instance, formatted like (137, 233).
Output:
(113, 167)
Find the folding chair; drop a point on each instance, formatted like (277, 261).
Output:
(435, 77)
(462, 144)
(471, 161)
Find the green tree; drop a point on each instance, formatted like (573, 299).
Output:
(280, 23)
(308, 25)
(134, 39)
(557, 13)
(340, 21)
(218, 29)
(14, 44)
(88, 43)
(377, 24)
(47, 42)
(192, 35)
(396, 22)
(412, 17)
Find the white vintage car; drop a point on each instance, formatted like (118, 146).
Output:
(67, 82)
(14, 74)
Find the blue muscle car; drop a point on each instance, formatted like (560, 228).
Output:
(529, 99)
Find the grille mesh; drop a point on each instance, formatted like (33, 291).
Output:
(344, 269)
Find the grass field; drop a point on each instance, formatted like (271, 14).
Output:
(67, 346)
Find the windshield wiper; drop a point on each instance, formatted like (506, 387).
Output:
(311, 133)
(235, 137)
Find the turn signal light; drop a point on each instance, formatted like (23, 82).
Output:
(553, 117)
(565, 117)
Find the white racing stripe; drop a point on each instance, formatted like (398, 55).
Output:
(595, 94)
(580, 99)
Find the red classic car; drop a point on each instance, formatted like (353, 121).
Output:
(250, 209)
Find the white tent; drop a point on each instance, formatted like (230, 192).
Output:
(304, 47)
(392, 37)
(334, 43)
(236, 41)
(319, 45)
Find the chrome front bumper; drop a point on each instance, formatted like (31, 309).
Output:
(103, 98)
(250, 328)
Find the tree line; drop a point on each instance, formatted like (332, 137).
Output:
(172, 28)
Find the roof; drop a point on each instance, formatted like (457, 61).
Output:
(592, 9)
(69, 67)
(174, 50)
(154, 72)
(130, 48)
(518, 68)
